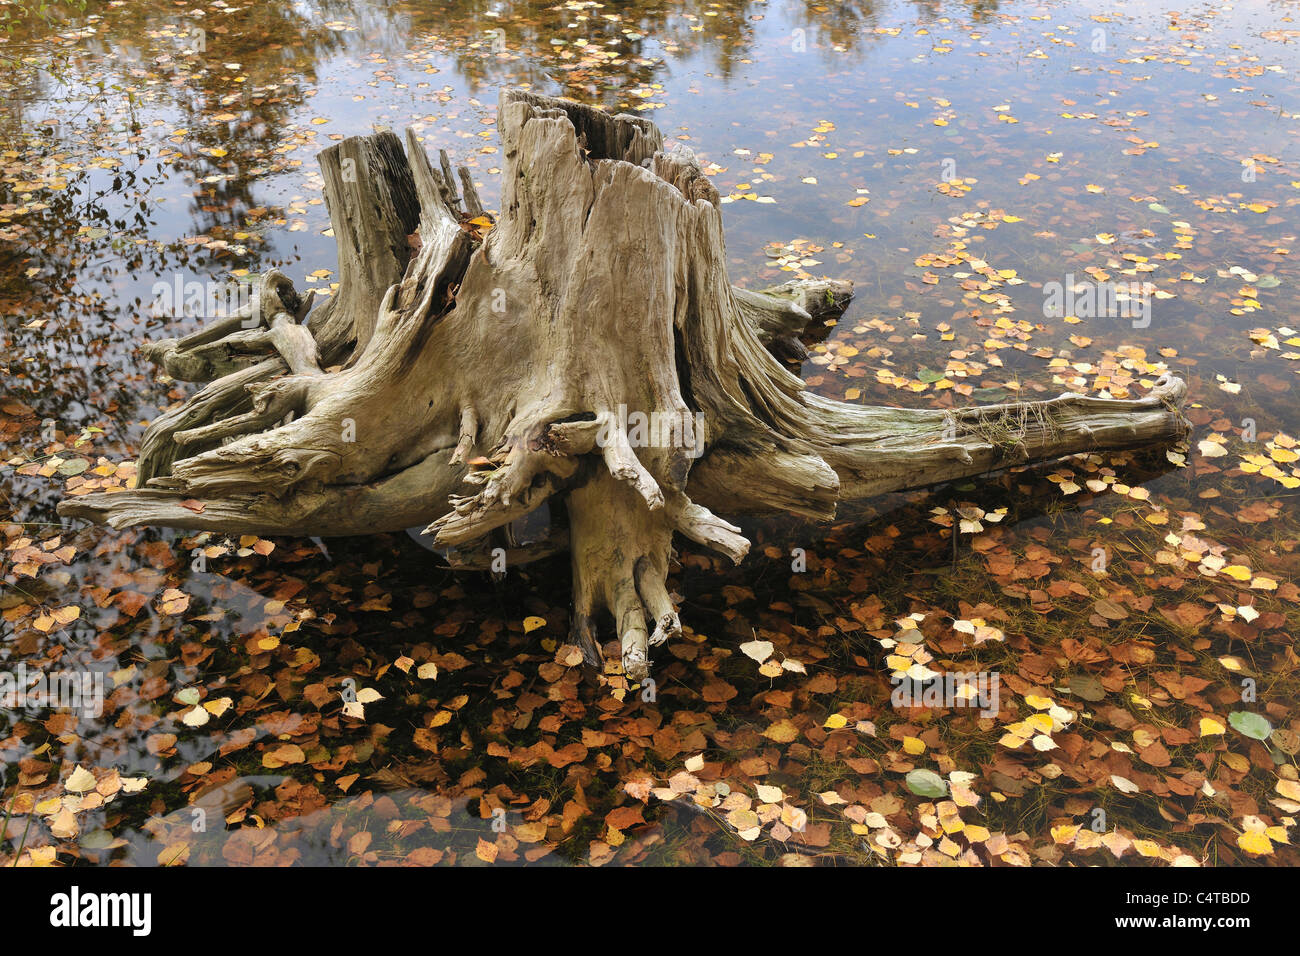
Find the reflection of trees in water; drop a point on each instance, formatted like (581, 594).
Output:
(840, 26)
(95, 290)
(978, 10)
(843, 24)
(664, 29)
(643, 35)
(78, 285)
(278, 47)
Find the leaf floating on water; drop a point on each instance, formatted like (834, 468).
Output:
(80, 781)
(1250, 724)
(1124, 784)
(926, 783)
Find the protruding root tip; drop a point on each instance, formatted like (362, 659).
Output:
(636, 662)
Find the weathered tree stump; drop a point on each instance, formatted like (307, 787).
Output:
(588, 350)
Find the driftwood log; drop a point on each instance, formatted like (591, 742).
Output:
(587, 350)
